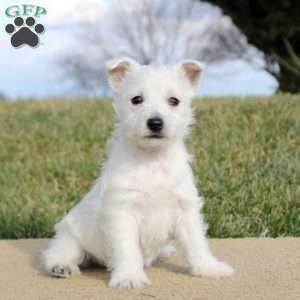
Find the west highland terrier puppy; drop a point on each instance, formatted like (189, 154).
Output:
(146, 195)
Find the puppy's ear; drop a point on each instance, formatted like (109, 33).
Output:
(192, 70)
(118, 69)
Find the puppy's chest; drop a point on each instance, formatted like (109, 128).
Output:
(158, 205)
(157, 178)
(158, 217)
(157, 186)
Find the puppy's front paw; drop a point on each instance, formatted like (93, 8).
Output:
(128, 281)
(63, 271)
(213, 268)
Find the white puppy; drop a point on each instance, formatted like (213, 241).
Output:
(146, 195)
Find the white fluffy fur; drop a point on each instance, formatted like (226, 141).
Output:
(146, 195)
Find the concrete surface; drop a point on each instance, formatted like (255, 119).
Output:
(265, 269)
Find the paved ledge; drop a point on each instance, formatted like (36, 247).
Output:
(265, 269)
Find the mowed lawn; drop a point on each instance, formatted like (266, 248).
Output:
(246, 162)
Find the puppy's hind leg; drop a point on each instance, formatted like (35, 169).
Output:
(64, 255)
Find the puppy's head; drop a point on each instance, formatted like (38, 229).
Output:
(153, 103)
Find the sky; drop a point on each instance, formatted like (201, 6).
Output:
(34, 72)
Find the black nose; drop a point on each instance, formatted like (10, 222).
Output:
(155, 124)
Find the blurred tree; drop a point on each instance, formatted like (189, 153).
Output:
(150, 31)
(2, 96)
(273, 26)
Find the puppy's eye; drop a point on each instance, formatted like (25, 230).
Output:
(173, 101)
(137, 100)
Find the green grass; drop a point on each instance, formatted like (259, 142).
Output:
(246, 162)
